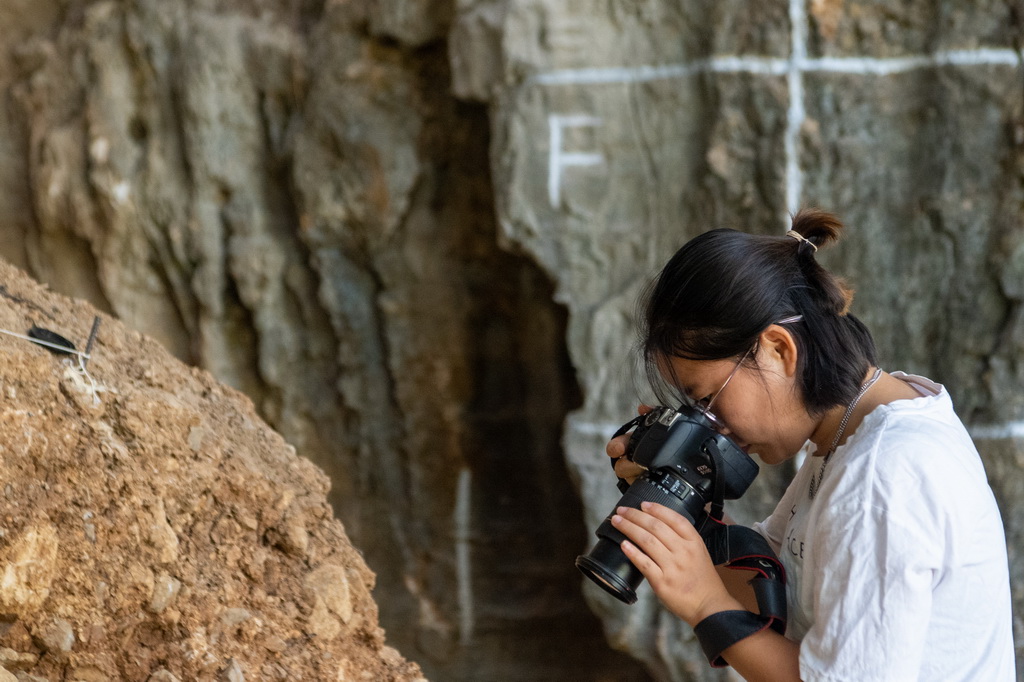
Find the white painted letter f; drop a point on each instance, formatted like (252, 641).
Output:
(559, 159)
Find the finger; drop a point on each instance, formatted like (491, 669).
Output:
(672, 530)
(652, 536)
(627, 469)
(643, 563)
(681, 525)
(617, 446)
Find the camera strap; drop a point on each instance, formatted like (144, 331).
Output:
(740, 548)
(718, 495)
(622, 484)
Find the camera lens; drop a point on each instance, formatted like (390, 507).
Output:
(605, 564)
(609, 568)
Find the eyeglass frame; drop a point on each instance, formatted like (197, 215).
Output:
(705, 410)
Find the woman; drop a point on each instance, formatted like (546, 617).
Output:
(892, 542)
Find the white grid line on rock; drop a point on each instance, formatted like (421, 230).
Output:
(794, 67)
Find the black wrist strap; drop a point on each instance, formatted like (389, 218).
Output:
(742, 548)
(721, 630)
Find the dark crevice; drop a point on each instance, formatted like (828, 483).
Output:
(241, 339)
(527, 518)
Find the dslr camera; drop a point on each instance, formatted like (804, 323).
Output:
(688, 465)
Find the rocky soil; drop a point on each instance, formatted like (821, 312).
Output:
(153, 527)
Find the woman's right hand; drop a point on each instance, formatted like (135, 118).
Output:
(625, 469)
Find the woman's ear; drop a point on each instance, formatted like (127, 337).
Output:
(778, 350)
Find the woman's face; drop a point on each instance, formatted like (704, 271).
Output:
(760, 406)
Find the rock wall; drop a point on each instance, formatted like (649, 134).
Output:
(413, 233)
(905, 118)
(288, 195)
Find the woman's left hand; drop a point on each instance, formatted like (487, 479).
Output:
(671, 554)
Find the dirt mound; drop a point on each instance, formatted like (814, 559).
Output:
(153, 527)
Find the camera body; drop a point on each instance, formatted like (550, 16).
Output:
(688, 465)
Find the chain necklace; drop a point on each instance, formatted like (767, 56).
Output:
(812, 489)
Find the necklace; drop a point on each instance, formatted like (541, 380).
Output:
(812, 489)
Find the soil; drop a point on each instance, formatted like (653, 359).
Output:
(153, 527)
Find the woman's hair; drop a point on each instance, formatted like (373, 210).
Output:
(722, 289)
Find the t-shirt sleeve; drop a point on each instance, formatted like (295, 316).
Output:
(873, 593)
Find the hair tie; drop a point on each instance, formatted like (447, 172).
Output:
(800, 238)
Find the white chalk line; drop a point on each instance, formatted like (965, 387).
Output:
(777, 66)
(646, 74)
(463, 559)
(796, 113)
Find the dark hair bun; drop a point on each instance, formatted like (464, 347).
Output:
(821, 228)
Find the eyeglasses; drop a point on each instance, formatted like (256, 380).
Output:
(704, 405)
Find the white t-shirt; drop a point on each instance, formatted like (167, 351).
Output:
(897, 569)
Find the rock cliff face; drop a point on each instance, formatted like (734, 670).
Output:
(287, 195)
(155, 528)
(621, 130)
(413, 232)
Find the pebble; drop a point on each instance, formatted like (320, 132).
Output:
(165, 590)
(57, 637)
(16, 660)
(330, 583)
(234, 616)
(233, 673)
(275, 644)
